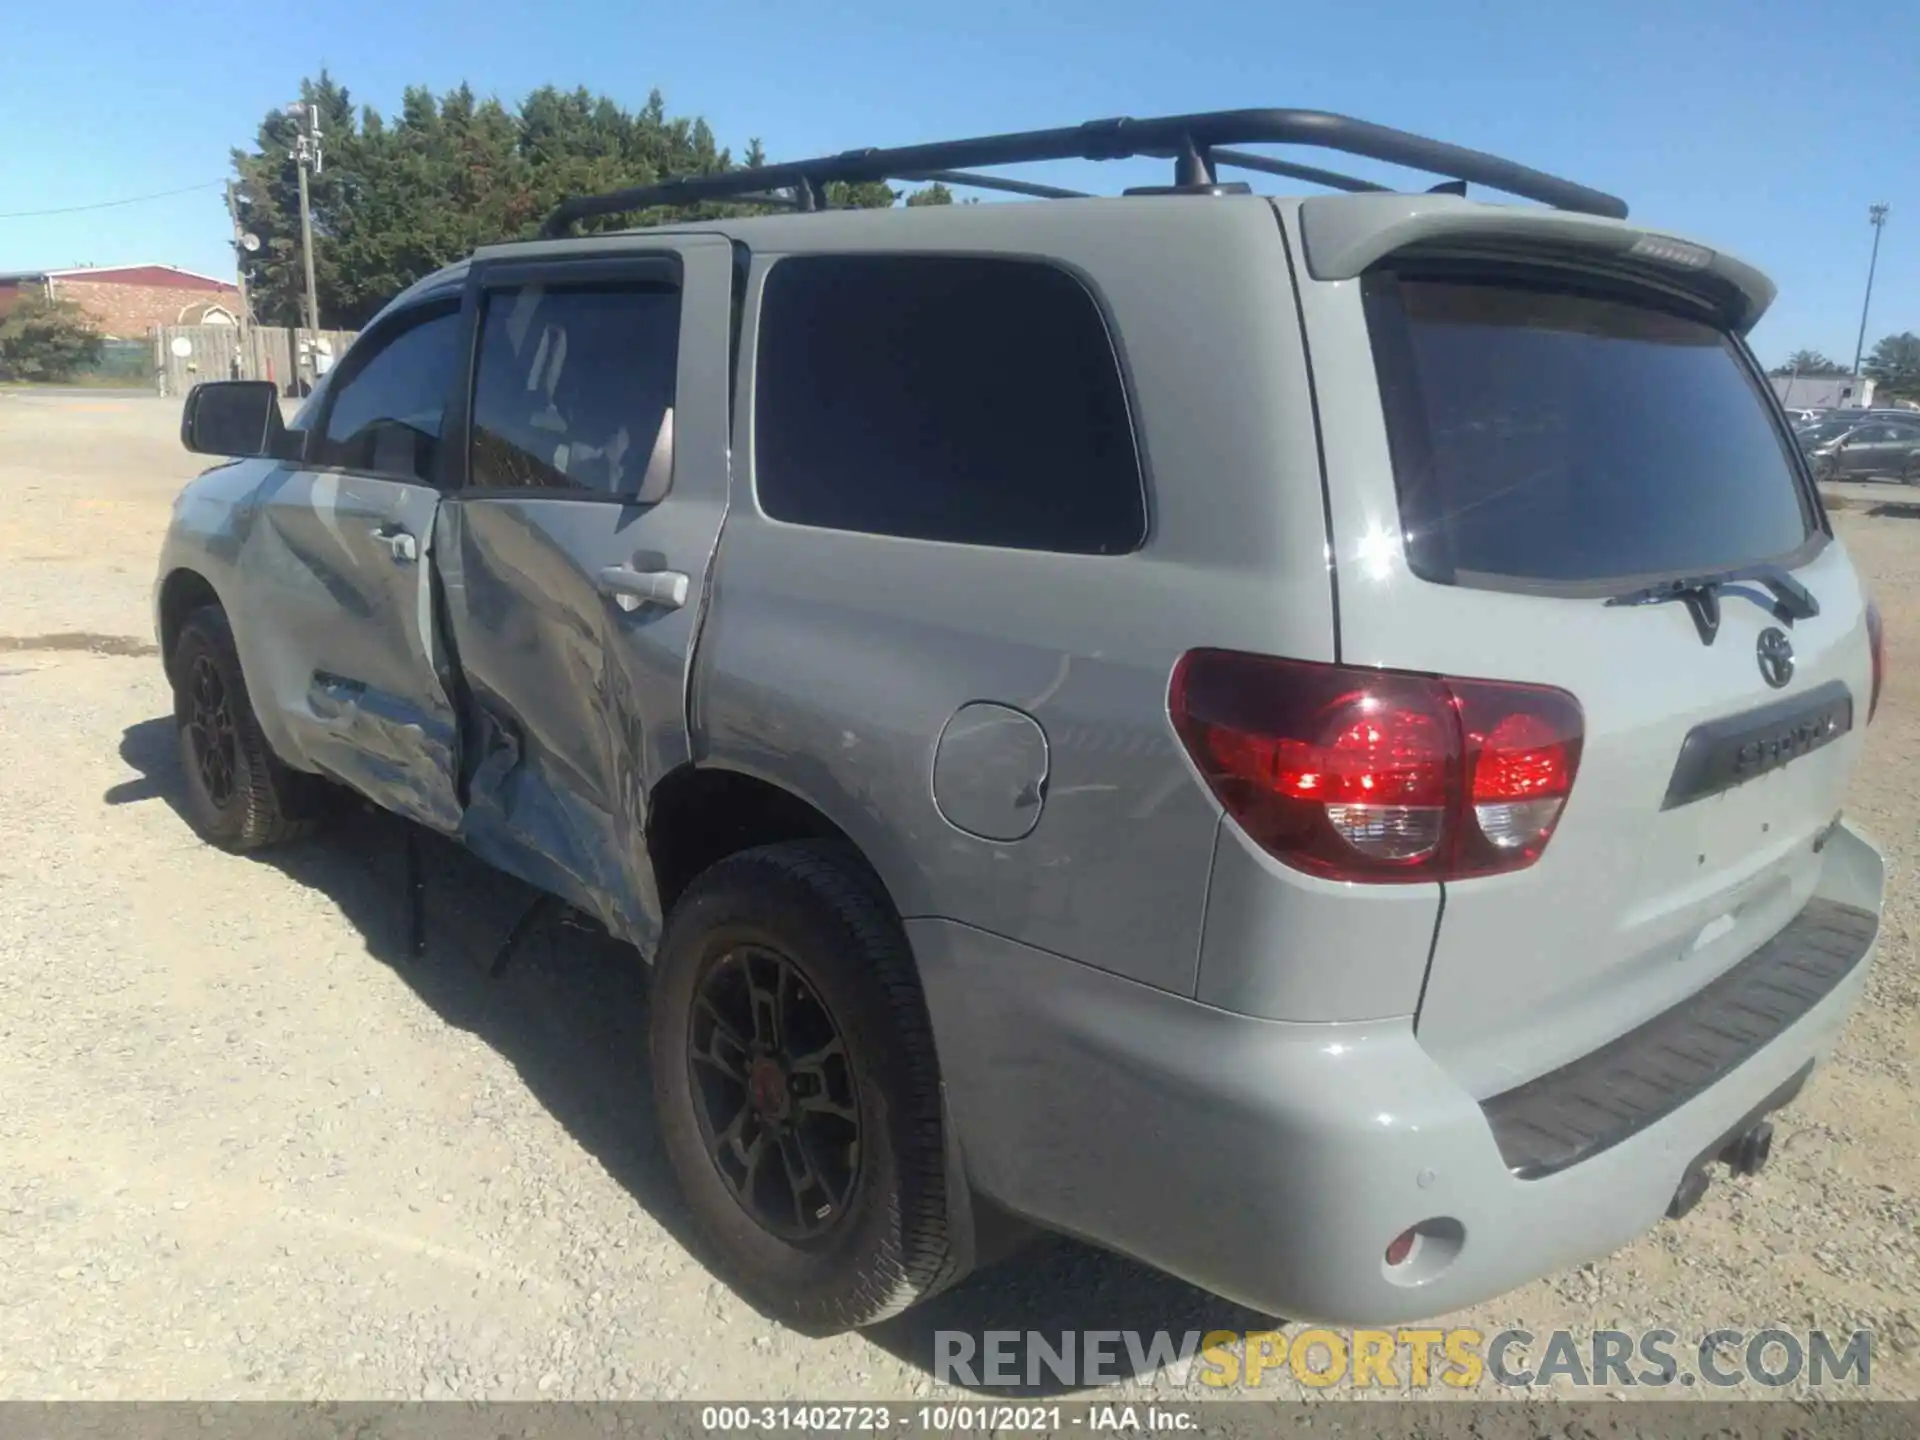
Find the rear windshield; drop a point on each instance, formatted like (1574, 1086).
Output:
(1552, 438)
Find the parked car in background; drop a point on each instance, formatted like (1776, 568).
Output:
(1819, 432)
(1887, 444)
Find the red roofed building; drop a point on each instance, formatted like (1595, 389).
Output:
(127, 301)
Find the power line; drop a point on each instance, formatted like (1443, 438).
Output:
(106, 204)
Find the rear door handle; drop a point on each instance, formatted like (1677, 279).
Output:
(399, 543)
(631, 589)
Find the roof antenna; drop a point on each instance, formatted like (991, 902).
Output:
(1449, 187)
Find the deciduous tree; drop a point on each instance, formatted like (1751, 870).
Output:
(1895, 366)
(1808, 362)
(42, 339)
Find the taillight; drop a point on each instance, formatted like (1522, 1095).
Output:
(1877, 644)
(1377, 775)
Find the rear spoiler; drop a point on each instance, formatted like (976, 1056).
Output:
(1346, 234)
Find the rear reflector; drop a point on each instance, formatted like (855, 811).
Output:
(1877, 643)
(1377, 775)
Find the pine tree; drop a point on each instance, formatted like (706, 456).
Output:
(397, 199)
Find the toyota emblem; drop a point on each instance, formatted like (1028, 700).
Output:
(1775, 653)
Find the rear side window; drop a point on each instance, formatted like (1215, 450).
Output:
(971, 400)
(574, 390)
(1553, 437)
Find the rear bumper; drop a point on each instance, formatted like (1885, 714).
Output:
(1272, 1162)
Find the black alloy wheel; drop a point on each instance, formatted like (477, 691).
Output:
(798, 1091)
(775, 1097)
(238, 794)
(210, 730)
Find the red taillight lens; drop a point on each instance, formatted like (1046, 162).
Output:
(1374, 774)
(1877, 643)
(1522, 745)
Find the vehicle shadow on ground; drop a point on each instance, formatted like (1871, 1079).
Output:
(569, 1012)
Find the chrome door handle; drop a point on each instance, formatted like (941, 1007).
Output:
(631, 589)
(402, 546)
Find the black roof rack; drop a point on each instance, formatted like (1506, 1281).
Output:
(1193, 142)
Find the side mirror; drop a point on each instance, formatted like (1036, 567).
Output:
(235, 418)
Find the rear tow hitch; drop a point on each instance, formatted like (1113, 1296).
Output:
(1747, 1154)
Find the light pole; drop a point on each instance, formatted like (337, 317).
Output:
(307, 155)
(1876, 217)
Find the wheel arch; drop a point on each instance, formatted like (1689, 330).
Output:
(184, 591)
(698, 815)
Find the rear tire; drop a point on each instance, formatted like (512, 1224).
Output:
(239, 795)
(810, 1148)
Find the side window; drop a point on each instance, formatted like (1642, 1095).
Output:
(574, 390)
(970, 400)
(310, 408)
(385, 411)
(308, 415)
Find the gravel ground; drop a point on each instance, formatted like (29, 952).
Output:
(249, 1149)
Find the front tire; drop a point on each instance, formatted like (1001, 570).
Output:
(798, 1089)
(239, 795)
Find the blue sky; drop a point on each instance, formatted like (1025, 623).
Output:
(1766, 128)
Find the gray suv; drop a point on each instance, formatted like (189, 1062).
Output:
(1298, 739)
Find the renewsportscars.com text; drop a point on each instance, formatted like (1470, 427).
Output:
(1407, 1359)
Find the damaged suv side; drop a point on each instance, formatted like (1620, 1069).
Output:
(1246, 730)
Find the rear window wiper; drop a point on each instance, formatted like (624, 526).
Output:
(1701, 594)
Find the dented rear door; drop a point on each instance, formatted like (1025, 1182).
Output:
(575, 554)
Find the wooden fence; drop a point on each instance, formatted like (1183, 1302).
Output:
(184, 355)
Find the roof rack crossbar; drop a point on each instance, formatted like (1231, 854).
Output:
(1313, 174)
(1190, 138)
(993, 182)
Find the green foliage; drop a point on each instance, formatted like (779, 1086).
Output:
(1895, 365)
(934, 194)
(399, 197)
(1808, 362)
(871, 195)
(43, 339)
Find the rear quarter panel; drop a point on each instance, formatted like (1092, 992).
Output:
(833, 660)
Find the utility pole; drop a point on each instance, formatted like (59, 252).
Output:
(1876, 217)
(307, 155)
(244, 244)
